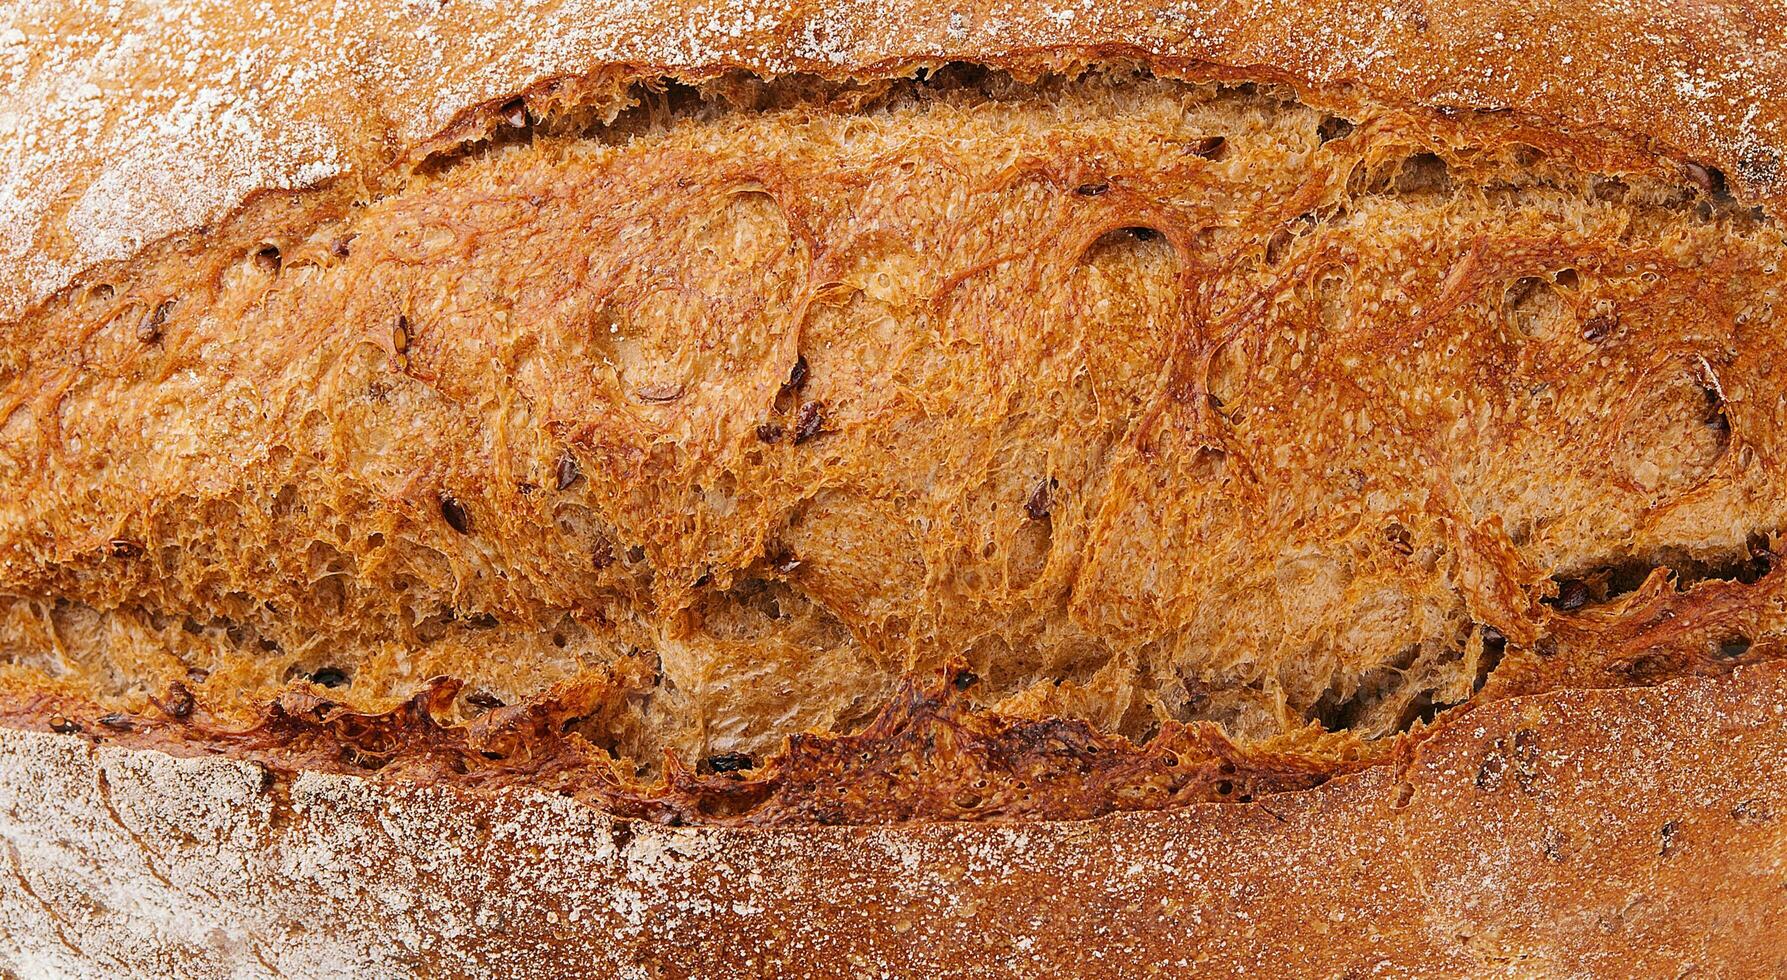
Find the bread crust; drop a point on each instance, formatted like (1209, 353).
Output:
(129, 125)
(1628, 831)
(1635, 832)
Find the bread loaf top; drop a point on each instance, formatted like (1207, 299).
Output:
(128, 123)
(1212, 462)
(1208, 406)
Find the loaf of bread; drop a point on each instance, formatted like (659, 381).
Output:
(893, 488)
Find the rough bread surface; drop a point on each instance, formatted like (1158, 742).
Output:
(484, 425)
(1581, 834)
(129, 121)
(1152, 401)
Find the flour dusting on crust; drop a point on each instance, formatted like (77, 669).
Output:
(1586, 833)
(124, 123)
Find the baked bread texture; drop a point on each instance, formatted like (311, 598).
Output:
(510, 484)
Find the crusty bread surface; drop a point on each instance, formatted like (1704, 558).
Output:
(1515, 846)
(767, 418)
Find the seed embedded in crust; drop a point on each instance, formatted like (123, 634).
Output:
(568, 471)
(769, 432)
(659, 393)
(454, 513)
(400, 335)
(1037, 505)
(1572, 595)
(1597, 328)
(484, 699)
(810, 422)
(1210, 147)
(797, 375)
(117, 721)
(1710, 180)
(63, 726)
(179, 701)
(149, 327)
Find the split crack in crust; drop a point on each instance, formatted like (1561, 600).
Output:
(1154, 402)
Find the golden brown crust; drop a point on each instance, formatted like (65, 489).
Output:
(930, 754)
(1635, 832)
(769, 393)
(129, 124)
(1540, 830)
